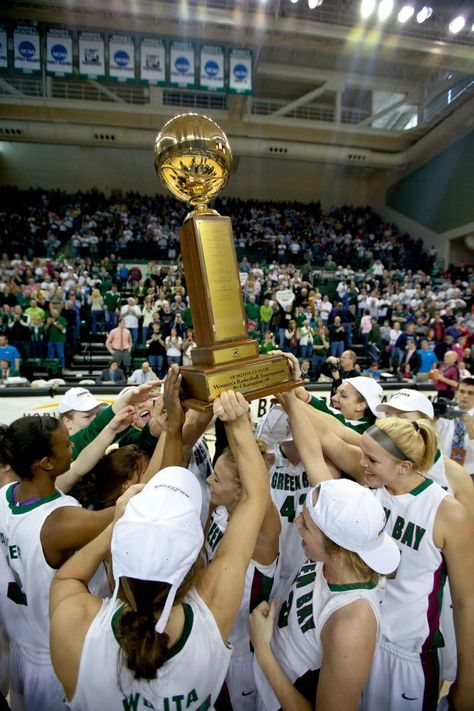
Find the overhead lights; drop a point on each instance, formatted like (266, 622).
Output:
(457, 24)
(313, 4)
(406, 13)
(366, 8)
(385, 9)
(294, 1)
(424, 14)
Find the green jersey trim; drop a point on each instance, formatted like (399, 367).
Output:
(19, 509)
(421, 487)
(179, 644)
(352, 586)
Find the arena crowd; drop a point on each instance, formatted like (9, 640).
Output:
(324, 560)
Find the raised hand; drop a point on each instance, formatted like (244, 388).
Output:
(230, 405)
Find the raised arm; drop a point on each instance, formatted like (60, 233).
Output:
(221, 584)
(91, 454)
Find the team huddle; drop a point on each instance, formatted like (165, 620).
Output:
(323, 561)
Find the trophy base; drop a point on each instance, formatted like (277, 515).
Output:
(255, 378)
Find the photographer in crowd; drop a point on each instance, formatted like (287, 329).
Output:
(340, 368)
(455, 425)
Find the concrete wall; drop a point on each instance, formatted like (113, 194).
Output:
(74, 168)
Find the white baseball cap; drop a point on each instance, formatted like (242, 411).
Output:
(79, 399)
(274, 428)
(350, 515)
(370, 390)
(408, 400)
(160, 536)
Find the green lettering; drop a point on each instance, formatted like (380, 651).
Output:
(305, 480)
(131, 704)
(206, 704)
(304, 614)
(419, 533)
(177, 700)
(192, 697)
(285, 611)
(148, 704)
(274, 480)
(288, 508)
(407, 537)
(14, 552)
(387, 512)
(281, 481)
(398, 528)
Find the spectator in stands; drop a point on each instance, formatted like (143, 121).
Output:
(130, 313)
(147, 313)
(112, 302)
(6, 371)
(142, 375)
(33, 311)
(19, 333)
(340, 369)
(291, 338)
(55, 327)
(456, 435)
(9, 353)
(337, 337)
(173, 344)
(446, 376)
(267, 343)
(411, 362)
(187, 346)
(320, 348)
(119, 344)
(113, 375)
(96, 302)
(372, 371)
(156, 349)
(37, 338)
(365, 329)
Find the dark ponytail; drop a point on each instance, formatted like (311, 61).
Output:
(25, 441)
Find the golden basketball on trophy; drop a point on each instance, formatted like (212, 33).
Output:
(193, 159)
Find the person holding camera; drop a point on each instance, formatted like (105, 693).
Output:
(455, 425)
(340, 368)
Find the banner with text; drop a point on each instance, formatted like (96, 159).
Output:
(152, 61)
(91, 55)
(182, 64)
(212, 68)
(122, 58)
(240, 71)
(3, 48)
(59, 52)
(26, 49)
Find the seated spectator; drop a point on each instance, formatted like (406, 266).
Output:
(9, 353)
(372, 371)
(113, 375)
(142, 375)
(6, 371)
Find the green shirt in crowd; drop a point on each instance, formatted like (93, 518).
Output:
(56, 334)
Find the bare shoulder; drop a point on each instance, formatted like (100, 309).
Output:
(351, 625)
(452, 521)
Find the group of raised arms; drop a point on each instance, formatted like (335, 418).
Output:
(311, 565)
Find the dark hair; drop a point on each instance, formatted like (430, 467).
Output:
(114, 470)
(25, 441)
(466, 381)
(144, 650)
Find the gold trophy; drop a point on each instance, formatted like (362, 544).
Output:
(193, 160)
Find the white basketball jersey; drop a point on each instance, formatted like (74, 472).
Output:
(288, 487)
(412, 605)
(190, 679)
(438, 472)
(307, 606)
(258, 585)
(25, 596)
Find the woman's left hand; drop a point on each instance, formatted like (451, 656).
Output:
(261, 624)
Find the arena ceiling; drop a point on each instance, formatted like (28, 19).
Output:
(322, 78)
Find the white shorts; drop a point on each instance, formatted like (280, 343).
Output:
(448, 660)
(33, 684)
(241, 684)
(401, 681)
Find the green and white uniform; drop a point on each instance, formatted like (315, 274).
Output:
(357, 425)
(25, 599)
(190, 679)
(296, 643)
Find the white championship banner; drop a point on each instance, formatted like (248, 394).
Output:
(211, 75)
(59, 52)
(121, 58)
(91, 55)
(240, 71)
(152, 61)
(182, 64)
(26, 49)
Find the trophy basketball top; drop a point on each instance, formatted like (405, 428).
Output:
(193, 159)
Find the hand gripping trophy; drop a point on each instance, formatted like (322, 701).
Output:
(193, 160)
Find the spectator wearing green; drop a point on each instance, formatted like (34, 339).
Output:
(321, 344)
(34, 311)
(112, 303)
(56, 330)
(266, 313)
(252, 310)
(267, 343)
